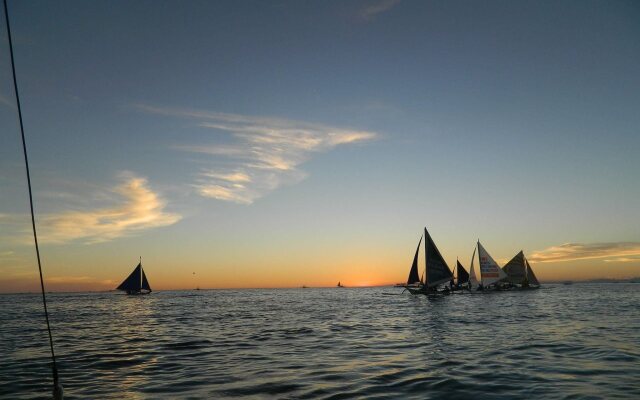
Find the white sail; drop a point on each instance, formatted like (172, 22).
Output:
(472, 272)
(490, 271)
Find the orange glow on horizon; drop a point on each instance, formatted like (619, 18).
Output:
(360, 275)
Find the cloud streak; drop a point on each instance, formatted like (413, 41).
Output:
(622, 260)
(57, 280)
(29, 282)
(373, 8)
(613, 252)
(130, 208)
(258, 154)
(5, 101)
(139, 208)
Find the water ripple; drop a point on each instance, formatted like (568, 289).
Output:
(560, 342)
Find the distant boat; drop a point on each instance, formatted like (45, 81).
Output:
(136, 282)
(304, 287)
(339, 285)
(436, 270)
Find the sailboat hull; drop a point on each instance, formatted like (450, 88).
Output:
(414, 290)
(427, 292)
(136, 293)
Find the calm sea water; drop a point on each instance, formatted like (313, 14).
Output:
(559, 342)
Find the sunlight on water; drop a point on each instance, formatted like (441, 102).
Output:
(557, 342)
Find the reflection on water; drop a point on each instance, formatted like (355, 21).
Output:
(557, 342)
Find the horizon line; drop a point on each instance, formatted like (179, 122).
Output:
(557, 281)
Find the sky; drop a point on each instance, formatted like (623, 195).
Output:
(286, 143)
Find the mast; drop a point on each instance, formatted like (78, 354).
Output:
(455, 271)
(479, 266)
(57, 386)
(426, 273)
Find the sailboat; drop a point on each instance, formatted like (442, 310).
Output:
(339, 285)
(519, 272)
(516, 269)
(136, 282)
(462, 277)
(490, 272)
(436, 270)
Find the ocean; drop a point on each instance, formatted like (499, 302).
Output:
(578, 341)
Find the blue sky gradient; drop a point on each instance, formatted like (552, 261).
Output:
(513, 122)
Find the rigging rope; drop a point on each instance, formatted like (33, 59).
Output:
(57, 387)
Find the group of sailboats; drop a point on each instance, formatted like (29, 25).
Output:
(439, 279)
(516, 274)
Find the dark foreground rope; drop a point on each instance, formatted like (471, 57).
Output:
(57, 388)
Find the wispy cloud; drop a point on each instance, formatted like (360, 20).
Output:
(375, 7)
(623, 260)
(28, 281)
(614, 252)
(139, 208)
(5, 101)
(77, 280)
(262, 154)
(131, 207)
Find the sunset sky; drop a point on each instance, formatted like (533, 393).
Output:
(282, 143)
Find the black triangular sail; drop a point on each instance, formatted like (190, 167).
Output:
(463, 275)
(437, 269)
(530, 275)
(414, 277)
(133, 281)
(136, 282)
(515, 269)
(145, 282)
